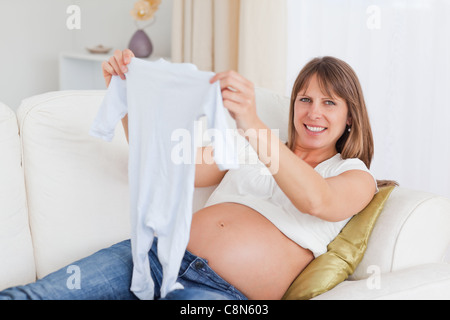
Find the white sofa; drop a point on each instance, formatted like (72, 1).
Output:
(64, 195)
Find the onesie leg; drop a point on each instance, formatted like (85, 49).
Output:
(171, 251)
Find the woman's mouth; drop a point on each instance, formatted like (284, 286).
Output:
(315, 129)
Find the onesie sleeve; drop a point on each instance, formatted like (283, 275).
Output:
(224, 140)
(112, 110)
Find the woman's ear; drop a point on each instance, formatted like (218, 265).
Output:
(349, 121)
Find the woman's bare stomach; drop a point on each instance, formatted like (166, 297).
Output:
(247, 250)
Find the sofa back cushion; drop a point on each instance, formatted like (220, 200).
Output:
(77, 185)
(16, 251)
(273, 109)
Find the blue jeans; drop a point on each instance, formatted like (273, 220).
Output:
(106, 275)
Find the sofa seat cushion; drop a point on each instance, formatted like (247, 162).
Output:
(16, 251)
(422, 282)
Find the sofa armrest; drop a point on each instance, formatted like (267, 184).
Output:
(412, 230)
(424, 282)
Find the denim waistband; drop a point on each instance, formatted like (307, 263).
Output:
(195, 271)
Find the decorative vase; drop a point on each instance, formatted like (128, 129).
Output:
(141, 45)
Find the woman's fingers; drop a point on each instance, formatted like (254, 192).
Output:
(117, 67)
(232, 80)
(235, 88)
(108, 72)
(120, 60)
(120, 57)
(108, 69)
(127, 55)
(238, 96)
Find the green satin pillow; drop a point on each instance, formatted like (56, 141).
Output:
(344, 253)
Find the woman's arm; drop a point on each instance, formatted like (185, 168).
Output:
(207, 173)
(332, 199)
(125, 126)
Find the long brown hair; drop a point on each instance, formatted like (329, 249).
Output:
(336, 77)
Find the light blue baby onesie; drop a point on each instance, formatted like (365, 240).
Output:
(162, 99)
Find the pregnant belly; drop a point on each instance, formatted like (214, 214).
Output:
(247, 250)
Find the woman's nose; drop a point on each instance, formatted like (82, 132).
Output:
(314, 111)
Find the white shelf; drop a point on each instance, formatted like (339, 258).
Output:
(83, 71)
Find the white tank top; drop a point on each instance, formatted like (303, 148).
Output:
(253, 185)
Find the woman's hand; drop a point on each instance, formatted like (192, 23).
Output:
(117, 65)
(238, 96)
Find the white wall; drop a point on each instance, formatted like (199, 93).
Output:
(400, 50)
(34, 32)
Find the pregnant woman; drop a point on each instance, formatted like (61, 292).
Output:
(263, 224)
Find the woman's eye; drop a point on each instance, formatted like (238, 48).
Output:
(305, 100)
(330, 103)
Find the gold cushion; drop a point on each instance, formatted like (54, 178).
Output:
(344, 253)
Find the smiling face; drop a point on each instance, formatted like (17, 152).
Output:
(326, 98)
(319, 119)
